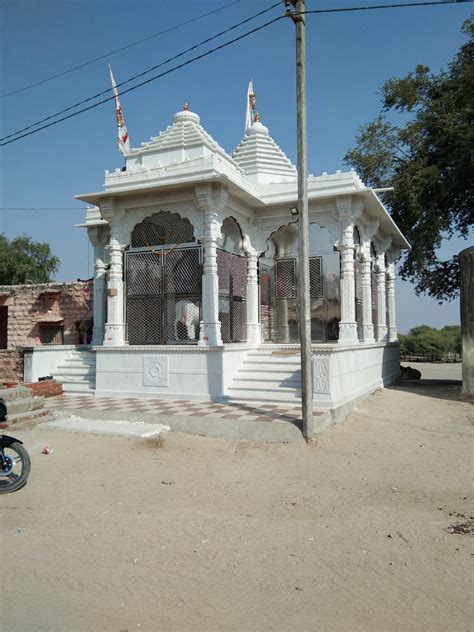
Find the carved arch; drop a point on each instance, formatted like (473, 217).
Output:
(232, 238)
(187, 211)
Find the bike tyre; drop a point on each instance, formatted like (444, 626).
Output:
(19, 482)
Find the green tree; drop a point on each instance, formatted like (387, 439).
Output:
(452, 335)
(25, 261)
(427, 342)
(429, 160)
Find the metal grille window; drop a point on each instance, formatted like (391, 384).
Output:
(239, 276)
(144, 320)
(279, 309)
(265, 283)
(143, 273)
(182, 271)
(223, 271)
(315, 277)
(163, 295)
(232, 272)
(286, 278)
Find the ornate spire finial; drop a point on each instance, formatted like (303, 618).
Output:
(251, 101)
(186, 107)
(257, 117)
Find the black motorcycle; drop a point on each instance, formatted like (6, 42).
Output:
(14, 460)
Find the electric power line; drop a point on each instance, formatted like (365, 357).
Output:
(198, 57)
(118, 50)
(31, 208)
(141, 74)
(386, 6)
(139, 85)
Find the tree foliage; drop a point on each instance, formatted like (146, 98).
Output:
(25, 261)
(431, 343)
(429, 160)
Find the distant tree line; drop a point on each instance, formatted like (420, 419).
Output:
(25, 261)
(428, 343)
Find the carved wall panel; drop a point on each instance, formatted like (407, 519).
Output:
(156, 370)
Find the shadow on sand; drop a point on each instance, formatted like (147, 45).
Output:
(439, 389)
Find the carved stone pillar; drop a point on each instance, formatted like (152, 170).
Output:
(211, 200)
(390, 281)
(114, 335)
(254, 335)
(348, 211)
(380, 278)
(98, 237)
(366, 282)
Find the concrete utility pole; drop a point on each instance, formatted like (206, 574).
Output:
(303, 223)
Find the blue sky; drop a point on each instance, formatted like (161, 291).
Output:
(349, 57)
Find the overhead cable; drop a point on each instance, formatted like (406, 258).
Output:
(141, 74)
(19, 135)
(386, 6)
(46, 208)
(118, 50)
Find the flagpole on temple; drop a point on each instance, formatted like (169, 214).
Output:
(303, 217)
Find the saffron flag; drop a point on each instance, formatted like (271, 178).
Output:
(250, 114)
(123, 139)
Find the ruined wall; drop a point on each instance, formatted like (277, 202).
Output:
(11, 366)
(32, 308)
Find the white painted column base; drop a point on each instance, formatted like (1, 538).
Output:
(114, 335)
(348, 333)
(392, 334)
(210, 334)
(368, 333)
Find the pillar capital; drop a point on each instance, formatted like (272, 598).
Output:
(211, 196)
(107, 208)
(98, 235)
(349, 208)
(383, 243)
(393, 253)
(370, 228)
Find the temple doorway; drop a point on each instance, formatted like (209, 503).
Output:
(280, 286)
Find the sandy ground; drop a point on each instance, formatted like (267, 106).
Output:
(189, 533)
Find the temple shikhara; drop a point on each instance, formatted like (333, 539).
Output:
(196, 275)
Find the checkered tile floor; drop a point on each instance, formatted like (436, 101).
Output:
(182, 408)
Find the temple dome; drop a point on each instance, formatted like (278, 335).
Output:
(185, 140)
(261, 159)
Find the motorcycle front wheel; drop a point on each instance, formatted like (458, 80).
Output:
(15, 469)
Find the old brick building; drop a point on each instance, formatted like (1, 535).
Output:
(43, 314)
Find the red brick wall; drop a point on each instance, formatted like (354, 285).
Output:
(46, 388)
(27, 309)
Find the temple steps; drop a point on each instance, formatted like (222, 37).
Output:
(268, 375)
(22, 406)
(77, 372)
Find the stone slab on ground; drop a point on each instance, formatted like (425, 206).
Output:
(118, 428)
(275, 431)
